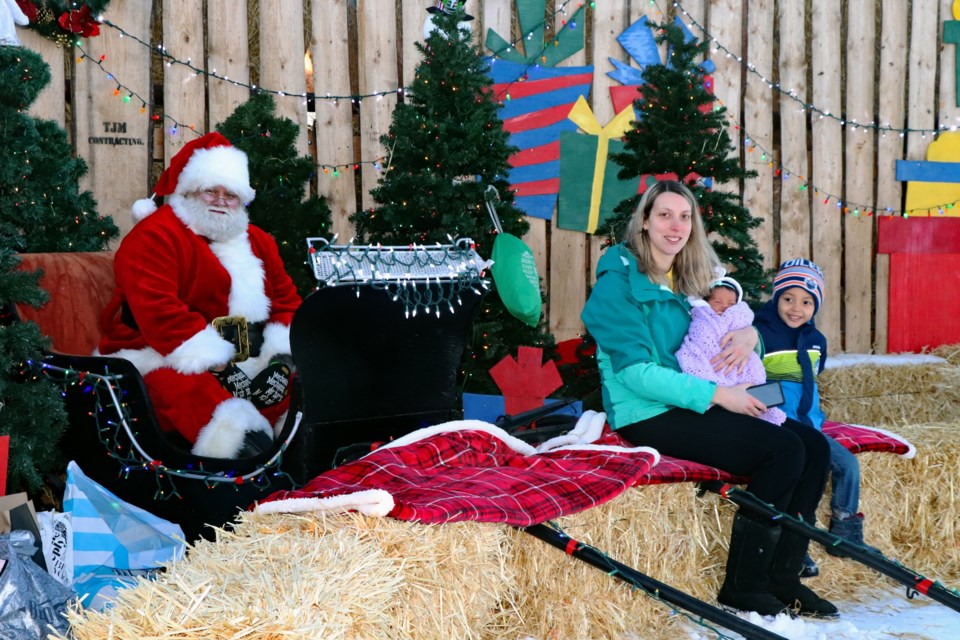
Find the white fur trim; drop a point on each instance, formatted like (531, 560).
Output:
(217, 166)
(202, 351)
(516, 444)
(371, 502)
(276, 339)
(247, 297)
(144, 360)
(589, 427)
(143, 208)
(222, 437)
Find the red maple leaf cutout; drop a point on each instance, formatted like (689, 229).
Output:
(526, 381)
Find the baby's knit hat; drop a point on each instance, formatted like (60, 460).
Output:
(728, 283)
(800, 273)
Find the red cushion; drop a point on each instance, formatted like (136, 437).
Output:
(80, 285)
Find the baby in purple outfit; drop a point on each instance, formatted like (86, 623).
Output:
(721, 312)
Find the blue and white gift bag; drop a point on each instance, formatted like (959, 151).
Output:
(114, 542)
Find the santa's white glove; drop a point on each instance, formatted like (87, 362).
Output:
(10, 14)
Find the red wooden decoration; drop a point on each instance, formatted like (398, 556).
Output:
(918, 235)
(525, 382)
(923, 304)
(4, 459)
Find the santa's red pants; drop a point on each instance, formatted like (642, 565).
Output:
(185, 403)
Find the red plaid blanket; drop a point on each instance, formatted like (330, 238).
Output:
(856, 438)
(472, 470)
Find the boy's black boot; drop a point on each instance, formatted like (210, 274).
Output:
(809, 569)
(746, 586)
(785, 579)
(850, 529)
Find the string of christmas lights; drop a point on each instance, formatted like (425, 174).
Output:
(114, 421)
(848, 208)
(128, 95)
(548, 42)
(856, 209)
(851, 125)
(170, 60)
(419, 277)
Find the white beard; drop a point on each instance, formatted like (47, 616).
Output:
(207, 221)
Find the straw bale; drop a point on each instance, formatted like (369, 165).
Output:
(347, 576)
(912, 512)
(891, 395)
(949, 352)
(664, 531)
(315, 576)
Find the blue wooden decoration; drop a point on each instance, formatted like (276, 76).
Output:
(927, 171)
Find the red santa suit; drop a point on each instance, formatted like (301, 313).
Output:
(171, 282)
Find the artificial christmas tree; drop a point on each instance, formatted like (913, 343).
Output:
(31, 410)
(41, 205)
(676, 135)
(280, 179)
(41, 210)
(446, 147)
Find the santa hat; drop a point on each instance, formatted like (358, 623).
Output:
(800, 273)
(209, 161)
(728, 283)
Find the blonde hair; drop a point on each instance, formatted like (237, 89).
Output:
(693, 267)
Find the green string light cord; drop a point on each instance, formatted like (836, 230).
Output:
(355, 98)
(128, 95)
(424, 278)
(845, 207)
(114, 422)
(792, 94)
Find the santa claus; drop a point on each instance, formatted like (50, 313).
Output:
(202, 306)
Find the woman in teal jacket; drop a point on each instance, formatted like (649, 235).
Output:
(638, 314)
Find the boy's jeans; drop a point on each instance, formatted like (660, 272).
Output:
(844, 481)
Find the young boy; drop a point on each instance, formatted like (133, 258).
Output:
(796, 353)
(721, 312)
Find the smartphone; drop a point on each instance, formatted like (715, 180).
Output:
(768, 393)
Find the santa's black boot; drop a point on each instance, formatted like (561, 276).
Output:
(785, 578)
(746, 586)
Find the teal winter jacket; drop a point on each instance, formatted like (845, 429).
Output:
(638, 326)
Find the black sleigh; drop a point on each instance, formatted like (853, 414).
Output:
(374, 360)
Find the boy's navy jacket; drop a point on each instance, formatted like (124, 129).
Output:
(778, 338)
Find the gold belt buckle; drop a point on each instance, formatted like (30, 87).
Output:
(234, 329)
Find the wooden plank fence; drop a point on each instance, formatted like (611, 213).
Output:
(824, 103)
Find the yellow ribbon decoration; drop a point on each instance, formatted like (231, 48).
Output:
(582, 116)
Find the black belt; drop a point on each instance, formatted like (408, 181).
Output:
(247, 337)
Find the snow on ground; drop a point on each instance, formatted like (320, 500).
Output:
(894, 359)
(890, 616)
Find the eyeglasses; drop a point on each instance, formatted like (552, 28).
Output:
(212, 196)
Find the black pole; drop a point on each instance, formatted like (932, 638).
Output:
(914, 582)
(665, 592)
